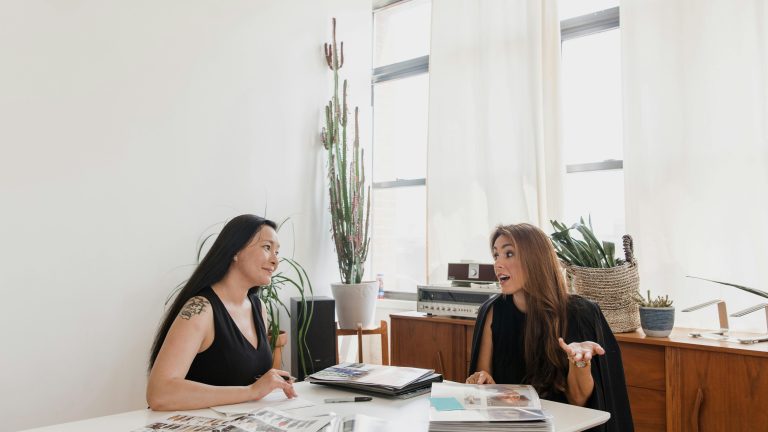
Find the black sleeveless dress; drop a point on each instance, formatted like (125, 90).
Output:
(507, 333)
(231, 360)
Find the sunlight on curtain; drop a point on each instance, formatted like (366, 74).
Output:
(696, 150)
(494, 124)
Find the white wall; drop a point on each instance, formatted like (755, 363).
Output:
(127, 129)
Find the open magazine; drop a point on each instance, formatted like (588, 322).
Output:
(486, 407)
(264, 420)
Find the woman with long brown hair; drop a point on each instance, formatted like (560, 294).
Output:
(536, 333)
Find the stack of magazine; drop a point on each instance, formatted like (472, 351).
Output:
(391, 381)
(462, 407)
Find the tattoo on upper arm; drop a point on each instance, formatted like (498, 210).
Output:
(195, 306)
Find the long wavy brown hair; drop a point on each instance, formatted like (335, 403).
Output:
(546, 299)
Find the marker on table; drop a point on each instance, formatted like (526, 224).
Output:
(349, 399)
(285, 377)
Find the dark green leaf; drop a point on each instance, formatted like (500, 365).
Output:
(744, 288)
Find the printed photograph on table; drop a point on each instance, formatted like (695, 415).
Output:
(471, 400)
(508, 398)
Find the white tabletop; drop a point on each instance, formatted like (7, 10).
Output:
(404, 415)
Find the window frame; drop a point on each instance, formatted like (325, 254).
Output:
(386, 73)
(580, 26)
(585, 25)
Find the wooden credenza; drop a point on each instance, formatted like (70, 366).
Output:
(675, 384)
(682, 384)
(438, 343)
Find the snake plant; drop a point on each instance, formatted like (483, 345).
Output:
(754, 291)
(587, 251)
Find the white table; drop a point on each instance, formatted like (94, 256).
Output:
(405, 415)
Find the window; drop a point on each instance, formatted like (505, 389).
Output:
(592, 124)
(400, 98)
(592, 130)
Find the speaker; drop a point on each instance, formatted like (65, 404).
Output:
(471, 272)
(321, 335)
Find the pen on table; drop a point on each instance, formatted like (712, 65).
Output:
(349, 399)
(285, 377)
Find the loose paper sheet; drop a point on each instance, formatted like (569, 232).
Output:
(276, 399)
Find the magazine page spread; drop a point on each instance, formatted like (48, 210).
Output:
(361, 373)
(453, 402)
(264, 420)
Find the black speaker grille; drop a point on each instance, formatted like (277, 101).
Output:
(321, 335)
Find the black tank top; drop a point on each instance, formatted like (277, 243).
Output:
(231, 360)
(508, 335)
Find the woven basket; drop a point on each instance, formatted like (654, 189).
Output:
(612, 289)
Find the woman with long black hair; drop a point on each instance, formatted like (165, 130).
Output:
(211, 348)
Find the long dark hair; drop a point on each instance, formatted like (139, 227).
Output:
(547, 300)
(235, 235)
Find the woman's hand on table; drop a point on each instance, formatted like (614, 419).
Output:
(273, 379)
(480, 377)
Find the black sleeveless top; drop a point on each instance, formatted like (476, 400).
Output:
(508, 335)
(231, 360)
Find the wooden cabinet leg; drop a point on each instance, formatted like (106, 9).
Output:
(384, 343)
(359, 343)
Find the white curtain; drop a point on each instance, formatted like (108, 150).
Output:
(695, 78)
(494, 124)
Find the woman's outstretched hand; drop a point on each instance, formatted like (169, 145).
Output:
(273, 379)
(480, 377)
(581, 353)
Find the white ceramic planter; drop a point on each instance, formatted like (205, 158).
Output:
(355, 304)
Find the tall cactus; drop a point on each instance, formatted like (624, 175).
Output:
(350, 207)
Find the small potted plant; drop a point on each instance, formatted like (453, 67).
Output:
(657, 316)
